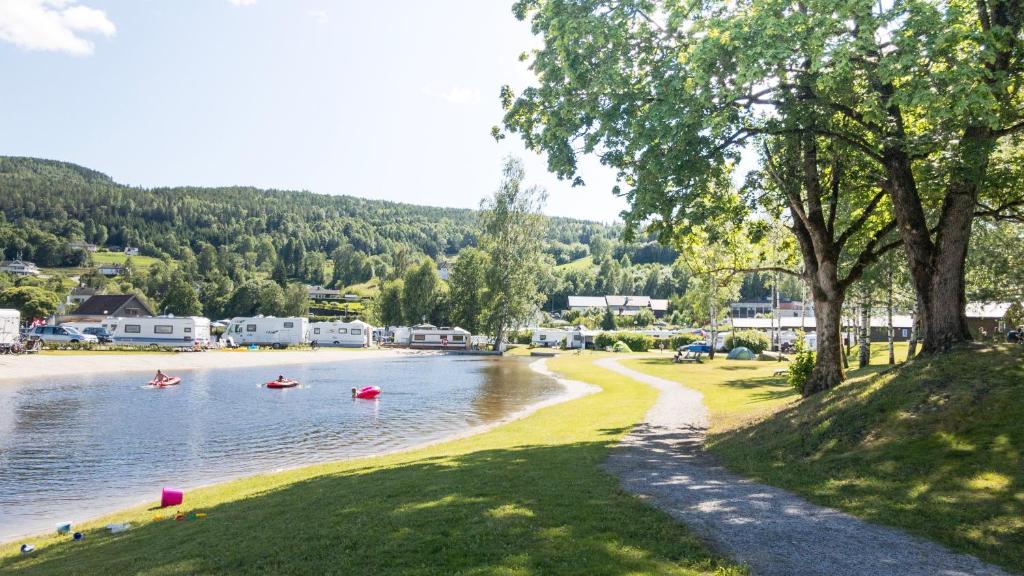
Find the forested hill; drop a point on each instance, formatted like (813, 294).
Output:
(45, 203)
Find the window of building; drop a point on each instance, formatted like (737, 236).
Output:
(131, 311)
(133, 329)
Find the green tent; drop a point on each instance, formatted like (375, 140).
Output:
(742, 353)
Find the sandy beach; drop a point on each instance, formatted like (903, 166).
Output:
(47, 366)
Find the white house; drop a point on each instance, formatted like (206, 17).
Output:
(111, 269)
(355, 334)
(321, 293)
(131, 251)
(80, 245)
(443, 270)
(19, 267)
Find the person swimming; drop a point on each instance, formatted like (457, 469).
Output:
(353, 392)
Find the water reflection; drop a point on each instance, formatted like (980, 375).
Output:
(76, 447)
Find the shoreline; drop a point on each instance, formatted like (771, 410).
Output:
(48, 366)
(571, 390)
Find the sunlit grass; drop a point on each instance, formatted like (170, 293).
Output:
(528, 497)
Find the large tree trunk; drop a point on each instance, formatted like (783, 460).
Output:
(889, 329)
(828, 364)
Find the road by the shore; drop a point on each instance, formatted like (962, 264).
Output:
(52, 365)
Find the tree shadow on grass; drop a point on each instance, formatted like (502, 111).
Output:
(526, 510)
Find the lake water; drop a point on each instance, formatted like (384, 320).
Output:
(72, 448)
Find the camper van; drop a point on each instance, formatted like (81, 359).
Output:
(427, 336)
(164, 331)
(9, 323)
(355, 334)
(266, 331)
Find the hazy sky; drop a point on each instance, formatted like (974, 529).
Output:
(385, 100)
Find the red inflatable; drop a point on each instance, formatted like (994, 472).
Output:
(368, 393)
(169, 381)
(286, 383)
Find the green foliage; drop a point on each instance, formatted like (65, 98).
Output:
(468, 285)
(512, 236)
(755, 340)
(390, 303)
(418, 298)
(635, 341)
(181, 300)
(643, 318)
(31, 301)
(684, 339)
(802, 364)
(608, 320)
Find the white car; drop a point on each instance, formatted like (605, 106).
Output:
(62, 334)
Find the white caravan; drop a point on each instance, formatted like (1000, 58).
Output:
(549, 337)
(427, 336)
(163, 331)
(266, 331)
(355, 334)
(10, 320)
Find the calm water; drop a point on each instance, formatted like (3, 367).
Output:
(71, 448)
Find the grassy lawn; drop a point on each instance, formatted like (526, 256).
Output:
(585, 263)
(525, 498)
(101, 258)
(936, 448)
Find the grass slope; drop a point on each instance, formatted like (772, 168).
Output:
(100, 258)
(528, 497)
(585, 263)
(936, 448)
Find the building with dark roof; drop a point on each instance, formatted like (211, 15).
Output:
(101, 306)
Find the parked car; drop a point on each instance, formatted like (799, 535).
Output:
(62, 334)
(101, 333)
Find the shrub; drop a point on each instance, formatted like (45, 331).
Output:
(802, 364)
(757, 341)
(637, 342)
(684, 339)
(523, 337)
(604, 340)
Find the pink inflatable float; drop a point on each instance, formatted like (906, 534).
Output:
(367, 393)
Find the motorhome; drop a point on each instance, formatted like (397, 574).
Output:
(355, 334)
(10, 320)
(428, 336)
(266, 331)
(549, 337)
(163, 331)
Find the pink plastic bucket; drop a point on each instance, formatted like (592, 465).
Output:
(171, 497)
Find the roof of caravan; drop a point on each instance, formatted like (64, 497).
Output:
(9, 313)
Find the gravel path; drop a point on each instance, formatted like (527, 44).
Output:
(771, 530)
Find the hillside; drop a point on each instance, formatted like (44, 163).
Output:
(936, 448)
(67, 201)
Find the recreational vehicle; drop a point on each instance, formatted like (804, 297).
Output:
(9, 323)
(549, 337)
(356, 334)
(164, 331)
(427, 336)
(266, 331)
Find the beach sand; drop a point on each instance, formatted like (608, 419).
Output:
(50, 365)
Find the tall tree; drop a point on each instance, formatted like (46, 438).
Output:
(181, 299)
(468, 285)
(389, 303)
(512, 236)
(418, 292)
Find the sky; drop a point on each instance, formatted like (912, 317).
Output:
(382, 100)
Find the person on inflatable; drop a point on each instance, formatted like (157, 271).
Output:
(160, 377)
(280, 377)
(353, 392)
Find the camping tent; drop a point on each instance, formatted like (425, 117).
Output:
(742, 353)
